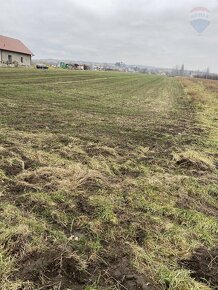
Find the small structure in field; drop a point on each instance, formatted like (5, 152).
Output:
(13, 52)
(74, 66)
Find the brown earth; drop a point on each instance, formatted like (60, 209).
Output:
(203, 265)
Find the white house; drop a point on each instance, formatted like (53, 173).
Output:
(13, 52)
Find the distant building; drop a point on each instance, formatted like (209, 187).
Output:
(182, 70)
(13, 52)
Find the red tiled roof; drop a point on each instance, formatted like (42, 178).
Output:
(15, 45)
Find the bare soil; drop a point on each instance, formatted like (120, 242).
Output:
(203, 265)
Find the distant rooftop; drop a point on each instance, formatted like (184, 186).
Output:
(12, 44)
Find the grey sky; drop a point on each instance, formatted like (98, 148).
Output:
(134, 31)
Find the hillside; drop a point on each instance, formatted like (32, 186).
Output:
(108, 181)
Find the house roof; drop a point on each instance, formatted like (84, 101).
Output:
(15, 45)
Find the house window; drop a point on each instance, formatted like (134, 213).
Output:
(9, 59)
(21, 59)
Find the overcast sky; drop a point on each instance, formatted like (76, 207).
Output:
(148, 32)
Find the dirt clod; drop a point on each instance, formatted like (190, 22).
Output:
(203, 265)
(58, 266)
(128, 279)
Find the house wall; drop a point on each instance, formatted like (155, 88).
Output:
(16, 56)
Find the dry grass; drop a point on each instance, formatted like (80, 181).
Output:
(108, 185)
